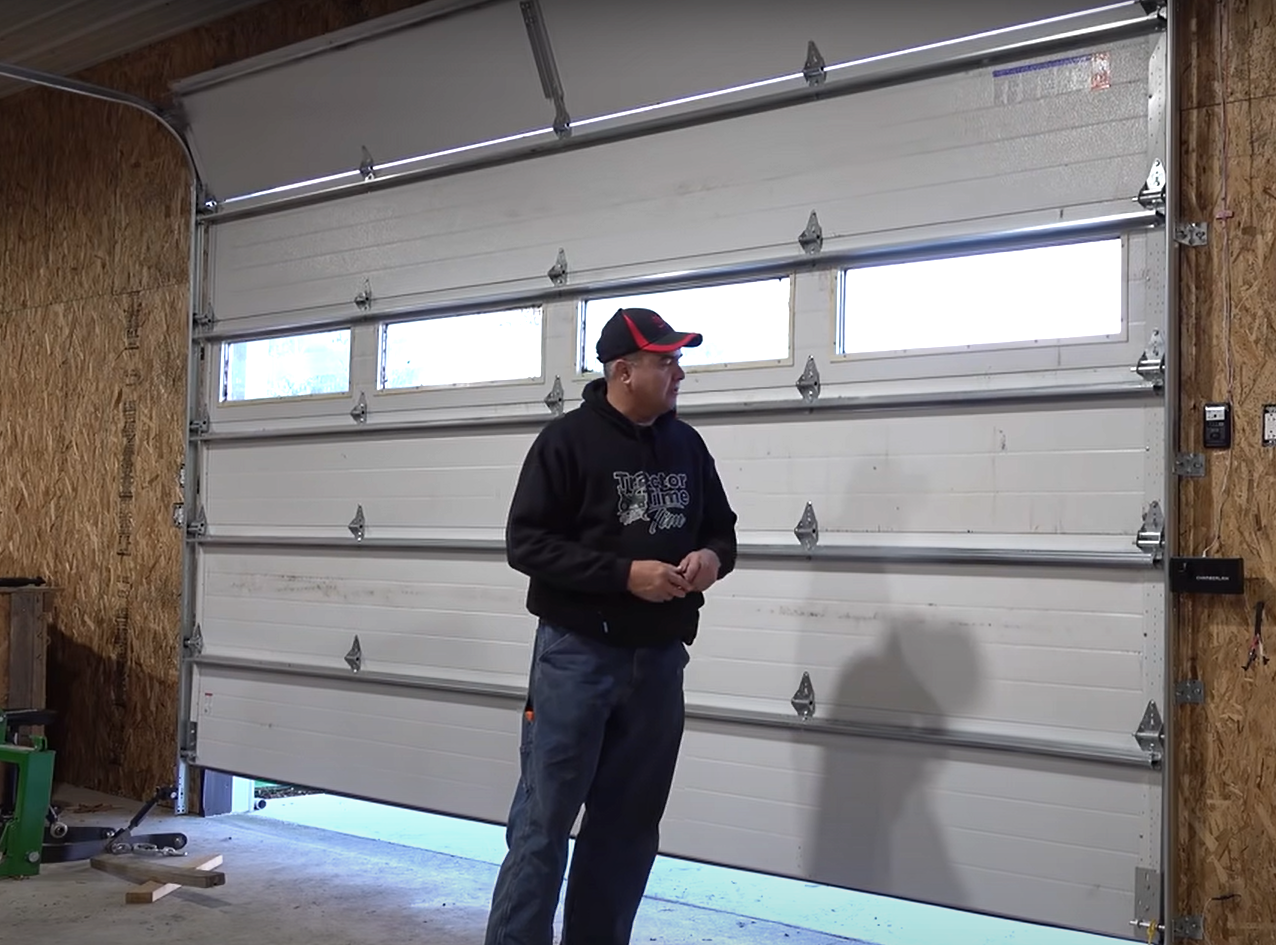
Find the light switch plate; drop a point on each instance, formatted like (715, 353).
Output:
(1269, 425)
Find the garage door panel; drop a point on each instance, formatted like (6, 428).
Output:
(671, 196)
(879, 816)
(302, 732)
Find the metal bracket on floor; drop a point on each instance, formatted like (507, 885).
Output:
(555, 399)
(1190, 465)
(812, 238)
(813, 71)
(360, 410)
(358, 525)
(1189, 692)
(809, 383)
(194, 644)
(808, 529)
(364, 297)
(558, 272)
(803, 700)
(367, 167)
(1150, 732)
(1152, 195)
(1192, 234)
(1151, 534)
(354, 659)
(1151, 366)
(198, 526)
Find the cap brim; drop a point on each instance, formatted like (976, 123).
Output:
(673, 341)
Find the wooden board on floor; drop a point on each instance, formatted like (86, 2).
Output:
(143, 871)
(153, 891)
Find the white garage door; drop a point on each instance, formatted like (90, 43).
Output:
(938, 414)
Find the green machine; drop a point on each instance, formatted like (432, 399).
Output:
(31, 832)
(26, 788)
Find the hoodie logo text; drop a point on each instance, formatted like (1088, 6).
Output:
(660, 499)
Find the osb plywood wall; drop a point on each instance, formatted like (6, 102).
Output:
(94, 246)
(1227, 758)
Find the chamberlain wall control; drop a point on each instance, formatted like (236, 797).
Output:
(1218, 426)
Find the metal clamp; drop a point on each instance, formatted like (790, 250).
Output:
(803, 700)
(808, 529)
(812, 238)
(358, 525)
(1190, 465)
(813, 71)
(1189, 692)
(555, 399)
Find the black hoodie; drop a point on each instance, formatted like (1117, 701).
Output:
(598, 492)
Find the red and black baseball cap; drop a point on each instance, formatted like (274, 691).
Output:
(640, 329)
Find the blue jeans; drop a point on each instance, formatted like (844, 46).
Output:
(604, 731)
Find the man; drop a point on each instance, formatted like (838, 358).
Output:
(621, 523)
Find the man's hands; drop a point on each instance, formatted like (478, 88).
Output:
(658, 582)
(700, 568)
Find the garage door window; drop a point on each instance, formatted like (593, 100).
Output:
(1028, 296)
(475, 348)
(293, 366)
(744, 323)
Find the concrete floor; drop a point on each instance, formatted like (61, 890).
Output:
(287, 883)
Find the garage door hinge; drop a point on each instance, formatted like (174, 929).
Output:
(203, 321)
(1189, 692)
(354, 659)
(812, 238)
(555, 398)
(198, 526)
(1192, 234)
(1151, 366)
(1150, 732)
(358, 525)
(808, 529)
(809, 383)
(803, 700)
(1190, 927)
(367, 167)
(1152, 195)
(194, 644)
(558, 272)
(199, 426)
(359, 412)
(1151, 535)
(1190, 465)
(814, 68)
(363, 298)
